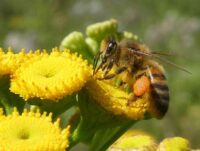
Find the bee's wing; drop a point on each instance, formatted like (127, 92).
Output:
(171, 63)
(155, 56)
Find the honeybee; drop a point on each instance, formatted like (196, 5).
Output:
(136, 60)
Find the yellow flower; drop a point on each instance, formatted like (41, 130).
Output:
(115, 100)
(32, 131)
(134, 140)
(50, 76)
(10, 61)
(174, 144)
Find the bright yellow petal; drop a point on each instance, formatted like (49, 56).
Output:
(32, 131)
(50, 76)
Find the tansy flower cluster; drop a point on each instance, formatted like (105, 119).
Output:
(38, 88)
(141, 141)
(38, 75)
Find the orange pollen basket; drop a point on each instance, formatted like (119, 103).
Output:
(141, 86)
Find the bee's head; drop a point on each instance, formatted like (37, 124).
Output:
(108, 49)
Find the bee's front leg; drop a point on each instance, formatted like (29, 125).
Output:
(110, 76)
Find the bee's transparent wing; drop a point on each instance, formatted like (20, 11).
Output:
(156, 56)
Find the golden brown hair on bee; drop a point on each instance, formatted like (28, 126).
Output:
(107, 54)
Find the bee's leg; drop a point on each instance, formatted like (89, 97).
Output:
(141, 73)
(132, 98)
(96, 59)
(120, 83)
(104, 66)
(118, 71)
(108, 67)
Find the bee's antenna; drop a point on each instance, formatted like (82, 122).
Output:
(163, 54)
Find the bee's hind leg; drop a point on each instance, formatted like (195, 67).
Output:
(132, 98)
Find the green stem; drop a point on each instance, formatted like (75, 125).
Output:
(83, 132)
(105, 137)
(74, 138)
(7, 107)
(97, 127)
(10, 101)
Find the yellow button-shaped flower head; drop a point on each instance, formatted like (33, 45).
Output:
(135, 141)
(174, 144)
(50, 76)
(116, 100)
(32, 131)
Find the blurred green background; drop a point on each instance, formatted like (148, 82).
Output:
(172, 26)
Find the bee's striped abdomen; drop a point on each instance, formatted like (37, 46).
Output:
(159, 90)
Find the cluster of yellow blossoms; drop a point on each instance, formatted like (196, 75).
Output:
(135, 140)
(50, 76)
(44, 75)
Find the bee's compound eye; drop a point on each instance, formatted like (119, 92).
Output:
(111, 46)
